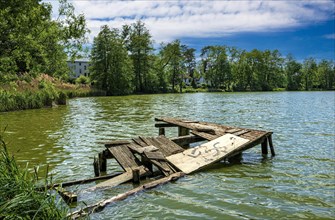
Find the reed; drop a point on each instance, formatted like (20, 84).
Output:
(18, 196)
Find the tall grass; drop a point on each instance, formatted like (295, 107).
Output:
(18, 196)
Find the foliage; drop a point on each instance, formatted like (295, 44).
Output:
(111, 66)
(31, 42)
(82, 80)
(18, 196)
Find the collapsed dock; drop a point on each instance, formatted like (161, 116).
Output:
(169, 158)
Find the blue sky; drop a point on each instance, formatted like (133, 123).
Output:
(303, 28)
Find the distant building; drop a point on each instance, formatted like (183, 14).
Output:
(78, 67)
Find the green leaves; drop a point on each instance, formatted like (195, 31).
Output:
(33, 42)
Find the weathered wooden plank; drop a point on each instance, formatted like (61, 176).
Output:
(154, 155)
(238, 133)
(196, 158)
(100, 205)
(140, 142)
(141, 150)
(233, 130)
(172, 147)
(67, 196)
(271, 146)
(124, 157)
(116, 142)
(204, 135)
(188, 139)
(122, 178)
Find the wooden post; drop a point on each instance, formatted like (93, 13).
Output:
(235, 159)
(271, 146)
(183, 132)
(96, 167)
(136, 175)
(265, 147)
(102, 162)
(161, 131)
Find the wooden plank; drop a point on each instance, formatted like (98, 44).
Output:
(233, 130)
(204, 135)
(122, 178)
(141, 150)
(198, 157)
(155, 155)
(172, 147)
(188, 139)
(140, 142)
(101, 204)
(124, 157)
(116, 142)
(238, 133)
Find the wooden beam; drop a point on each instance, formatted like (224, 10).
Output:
(116, 142)
(165, 125)
(187, 139)
(124, 177)
(102, 204)
(77, 182)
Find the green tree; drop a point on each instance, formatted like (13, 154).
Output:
(309, 70)
(30, 41)
(138, 41)
(293, 73)
(216, 67)
(111, 66)
(326, 75)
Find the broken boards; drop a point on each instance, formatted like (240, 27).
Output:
(196, 158)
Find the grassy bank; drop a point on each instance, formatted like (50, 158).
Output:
(18, 197)
(43, 91)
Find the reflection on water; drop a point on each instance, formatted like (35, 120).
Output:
(298, 183)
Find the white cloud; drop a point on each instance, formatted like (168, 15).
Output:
(329, 36)
(168, 20)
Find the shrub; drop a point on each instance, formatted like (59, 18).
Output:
(82, 80)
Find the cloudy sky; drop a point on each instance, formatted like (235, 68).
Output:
(303, 28)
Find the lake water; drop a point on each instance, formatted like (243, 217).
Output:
(299, 183)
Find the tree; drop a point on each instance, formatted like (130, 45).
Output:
(173, 55)
(293, 73)
(139, 44)
(111, 67)
(30, 41)
(326, 75)
(190, 64)
(216, 66)
(309, 70)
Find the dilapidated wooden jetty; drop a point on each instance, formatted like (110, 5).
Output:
(169, 158)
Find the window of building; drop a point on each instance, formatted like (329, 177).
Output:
(85, 67)
(79, 64)
(80, 71)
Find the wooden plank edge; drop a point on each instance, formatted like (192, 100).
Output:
(99, 206)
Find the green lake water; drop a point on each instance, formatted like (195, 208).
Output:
(299, 183)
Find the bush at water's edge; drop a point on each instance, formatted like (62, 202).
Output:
(43, 91)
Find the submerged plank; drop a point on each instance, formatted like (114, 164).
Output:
(102, 204)
(122, 178)
(196, 158)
